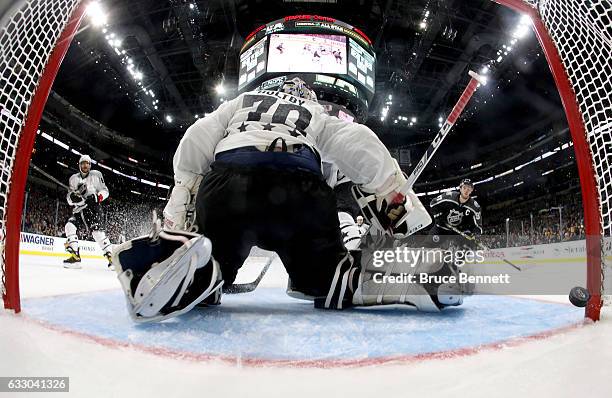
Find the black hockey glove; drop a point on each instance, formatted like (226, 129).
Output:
(91, 201)
(75, 197)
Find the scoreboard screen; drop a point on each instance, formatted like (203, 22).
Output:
(252, 63)
(361, 65)
(335, 59)
(309, 53)
(309, 44)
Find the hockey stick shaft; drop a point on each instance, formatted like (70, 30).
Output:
(249, 287)
(479, 244)
(448, 125)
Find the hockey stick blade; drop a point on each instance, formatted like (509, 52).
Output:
(480, 245)
(237, 288)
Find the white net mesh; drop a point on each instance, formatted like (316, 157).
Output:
(28, 33)
(582, 33)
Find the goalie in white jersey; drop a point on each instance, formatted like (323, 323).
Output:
(250, 172)
(87, 191)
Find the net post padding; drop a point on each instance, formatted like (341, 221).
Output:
(22, 160)
(584, 158)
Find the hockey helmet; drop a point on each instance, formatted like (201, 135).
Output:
(298, 88)
(83, 159)
(468, 182)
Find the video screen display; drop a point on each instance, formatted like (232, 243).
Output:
(361, 65)
(336, 83)
(310, 53)
(252, 63)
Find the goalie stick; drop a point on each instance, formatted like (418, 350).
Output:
(405, 189)
(236, 288)
(448, 125)
(479, 244)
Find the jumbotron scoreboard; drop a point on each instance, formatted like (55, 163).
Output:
(336, 59)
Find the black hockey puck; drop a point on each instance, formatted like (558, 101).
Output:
(579, 296)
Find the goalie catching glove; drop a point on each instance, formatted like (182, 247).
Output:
(166, 273)
(391, 212)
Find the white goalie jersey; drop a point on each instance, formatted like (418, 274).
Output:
(256, 119)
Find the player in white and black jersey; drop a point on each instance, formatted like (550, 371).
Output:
(87, 191)
(455, 210)
(251, 170)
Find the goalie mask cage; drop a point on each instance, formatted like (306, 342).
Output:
(575, 35)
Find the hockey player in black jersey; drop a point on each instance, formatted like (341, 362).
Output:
(455, 210)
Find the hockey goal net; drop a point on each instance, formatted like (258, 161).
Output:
(576, 36)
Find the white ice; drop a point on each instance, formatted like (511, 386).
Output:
(570, 364)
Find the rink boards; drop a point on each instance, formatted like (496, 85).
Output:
(52, 246)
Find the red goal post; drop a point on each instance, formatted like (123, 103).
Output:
(34, 38)
(575, 36)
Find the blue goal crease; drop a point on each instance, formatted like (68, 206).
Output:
(267, 324)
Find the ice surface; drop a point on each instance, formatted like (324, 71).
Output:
(74, 324)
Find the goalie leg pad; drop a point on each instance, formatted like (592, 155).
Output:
(373, 289)
(340, 289)
(166, 275)
(351, 237)
(296, 293)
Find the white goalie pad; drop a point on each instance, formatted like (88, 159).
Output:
(170, 286)
(372, 289)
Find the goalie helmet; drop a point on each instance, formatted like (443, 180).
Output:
(298, 88)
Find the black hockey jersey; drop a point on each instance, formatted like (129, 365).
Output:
(448, 210)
